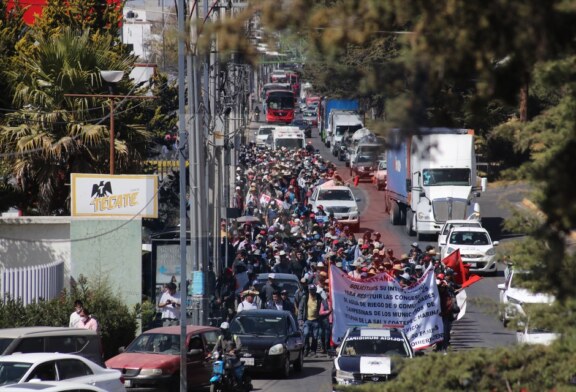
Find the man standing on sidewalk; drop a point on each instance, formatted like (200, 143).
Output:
(170, 305)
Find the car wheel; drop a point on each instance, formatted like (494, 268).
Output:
(299, 364)
(285, 371)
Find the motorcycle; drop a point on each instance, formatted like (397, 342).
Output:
(228, 375)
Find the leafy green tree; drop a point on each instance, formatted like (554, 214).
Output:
(52, 135)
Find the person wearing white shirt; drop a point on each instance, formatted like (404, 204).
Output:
(248, 302)
(75, 316)
(170, 305)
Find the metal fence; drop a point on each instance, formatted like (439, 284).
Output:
(32, 283)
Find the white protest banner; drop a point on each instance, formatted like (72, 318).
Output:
(380, 300)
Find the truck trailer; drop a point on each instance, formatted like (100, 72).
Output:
(326, 106)
(431, 178)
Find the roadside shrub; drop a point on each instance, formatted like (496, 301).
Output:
(519, 368)
(117, 323)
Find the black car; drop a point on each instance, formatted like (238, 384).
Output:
(303, 125)
(270, 341)
(370, 355)
(288, 282)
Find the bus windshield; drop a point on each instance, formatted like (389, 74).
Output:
(280, 101)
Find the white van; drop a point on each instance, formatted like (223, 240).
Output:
(289, 137)
(343, 123)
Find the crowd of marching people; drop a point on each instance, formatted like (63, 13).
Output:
(281, 233)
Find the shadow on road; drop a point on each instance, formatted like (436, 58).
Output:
(305, 373)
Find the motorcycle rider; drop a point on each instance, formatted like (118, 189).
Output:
(229, 345)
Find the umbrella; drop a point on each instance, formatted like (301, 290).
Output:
(248, 219)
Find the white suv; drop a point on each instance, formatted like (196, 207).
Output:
(450, 224)
(338, 200)
(476, 248)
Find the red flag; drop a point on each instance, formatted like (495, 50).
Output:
(356, 180)
(461, 274)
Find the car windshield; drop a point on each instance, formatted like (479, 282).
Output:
(374, 346)
(382, 165)
(342, 129)
(259, 324)
(12, 372)
(280, 284)
(440, 177)
(450, 226)
(335, 194)
(265, 131)
(155, 343)
(365, 158)
(469, 238)
(290, 143)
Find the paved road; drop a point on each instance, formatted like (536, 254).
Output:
(480, 326)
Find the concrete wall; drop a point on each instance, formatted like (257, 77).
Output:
(32, 241)
(109, 249)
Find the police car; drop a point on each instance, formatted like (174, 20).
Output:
(370, 355)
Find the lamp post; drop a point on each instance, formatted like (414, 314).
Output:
(111, 77)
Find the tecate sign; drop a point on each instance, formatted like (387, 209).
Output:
(107, 195)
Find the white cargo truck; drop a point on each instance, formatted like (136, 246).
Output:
(431, 179)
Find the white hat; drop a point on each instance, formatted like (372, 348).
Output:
(415, 244)
(320, 265)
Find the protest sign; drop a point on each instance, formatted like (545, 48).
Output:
(380, 300)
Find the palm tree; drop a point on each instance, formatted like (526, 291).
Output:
(51, 135)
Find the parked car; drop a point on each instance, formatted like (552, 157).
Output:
(271, 341)
(288, 282)
(513, 296)
(338, 200)
(531, 335)
(58, 386)
(381, 175)
(370, 355)
(303, 125)
(476, 248)
(78, 341)
(152, 360)
(450, 224)
(262, 134)
(22, 368)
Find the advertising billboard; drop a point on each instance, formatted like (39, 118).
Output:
(114, 195)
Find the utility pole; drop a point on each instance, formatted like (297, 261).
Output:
(182, 190)
(195, 193)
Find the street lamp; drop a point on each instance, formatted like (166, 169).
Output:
(111, 77)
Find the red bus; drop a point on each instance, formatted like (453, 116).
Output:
(279, 106)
